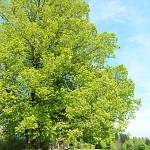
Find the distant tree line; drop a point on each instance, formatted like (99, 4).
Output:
(125, 142)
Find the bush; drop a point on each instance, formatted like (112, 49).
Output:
(142, 146)
(104, 145)
(129, 145)
(12, 143)
(98, 146)
(123, 147)
(113, 146)
(147, 141)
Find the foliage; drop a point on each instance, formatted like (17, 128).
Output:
(142, 146)
(113, 146)
(129, 144)
(147, 141)
(135, 143)
(104, 145)
(54, 80)
(123, 137)
(148, 147)
(12, 142)
(123, 147)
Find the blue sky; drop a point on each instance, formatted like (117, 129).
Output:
(130, 21)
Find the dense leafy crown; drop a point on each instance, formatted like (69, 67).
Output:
(54, 79)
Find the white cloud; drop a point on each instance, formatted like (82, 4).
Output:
(142, 40)
(104, 10)
(136, 57)
(125, 12)
(140, 126)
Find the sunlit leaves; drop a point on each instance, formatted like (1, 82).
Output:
(54, 80)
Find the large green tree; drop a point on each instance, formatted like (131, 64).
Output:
(54, 79)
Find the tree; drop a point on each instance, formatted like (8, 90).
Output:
(147, 141)
(54, 79)
(123, 137)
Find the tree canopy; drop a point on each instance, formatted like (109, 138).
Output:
(54, 78)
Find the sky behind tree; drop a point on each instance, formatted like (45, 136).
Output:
(130, 21)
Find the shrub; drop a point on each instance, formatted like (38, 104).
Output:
(113, 146)
(142, 146)
(129, 145)
(123, 147)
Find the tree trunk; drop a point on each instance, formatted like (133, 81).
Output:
(27, 137)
